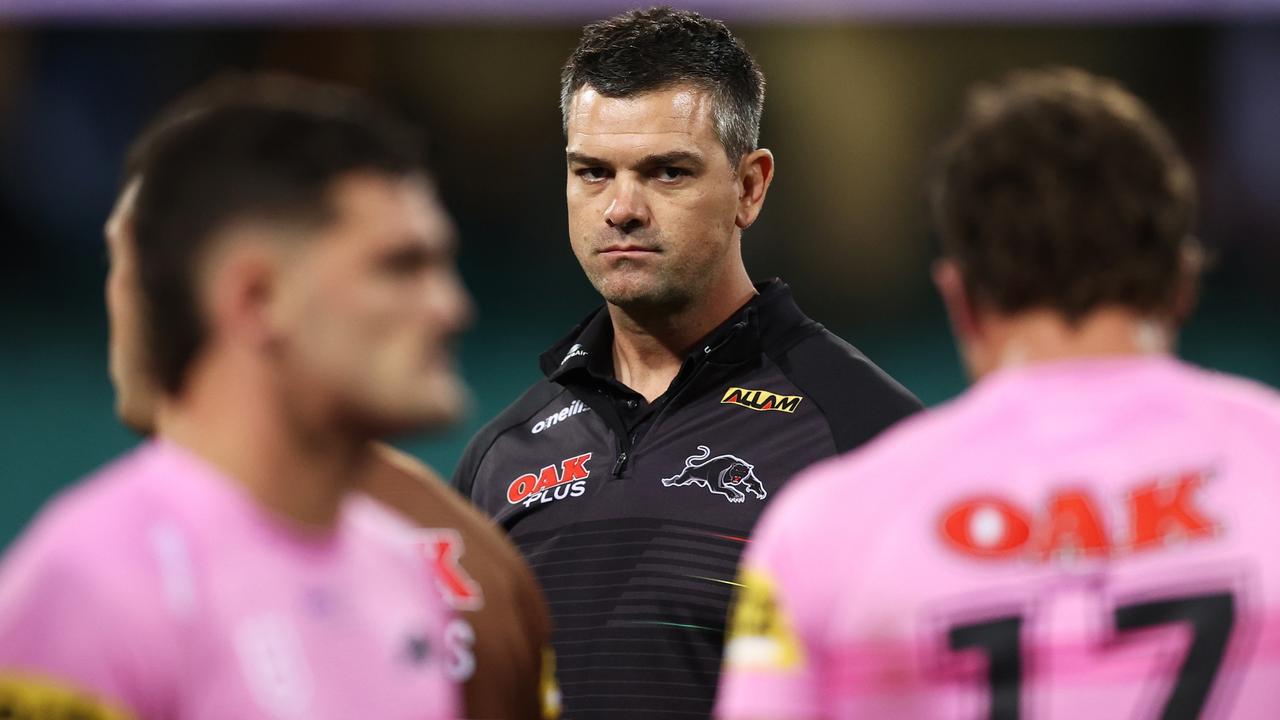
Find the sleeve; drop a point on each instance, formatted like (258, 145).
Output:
(774, 648)
(464, 474)
(71, 645)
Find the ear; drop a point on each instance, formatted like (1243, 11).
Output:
(960, 308)
(1191, 263)
(119, 227)
(755, 172)
(242, 289)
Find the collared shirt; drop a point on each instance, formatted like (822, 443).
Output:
(633, 515)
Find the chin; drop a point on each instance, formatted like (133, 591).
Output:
(434, 406)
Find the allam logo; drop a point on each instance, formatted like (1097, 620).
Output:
(760, 400)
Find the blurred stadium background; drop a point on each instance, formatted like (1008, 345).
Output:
(859, 92)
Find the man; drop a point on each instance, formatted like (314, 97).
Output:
(630, 476)
(497, 645)
(297, 297)
(1089, 531)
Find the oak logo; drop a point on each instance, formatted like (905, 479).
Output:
(550, 484)
(760, 400)
(1157, 514)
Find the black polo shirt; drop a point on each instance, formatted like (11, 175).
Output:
(633, 515)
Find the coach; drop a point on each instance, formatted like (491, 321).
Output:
(631, 474)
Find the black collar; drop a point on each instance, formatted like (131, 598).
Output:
(770, 322)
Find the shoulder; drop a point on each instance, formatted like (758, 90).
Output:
(1237, 393)
(84, 567)
(1232, 403)
(525, 407)
(858, 398)
(95, 519)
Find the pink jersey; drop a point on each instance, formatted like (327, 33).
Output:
(1095, 539)
(159, 589)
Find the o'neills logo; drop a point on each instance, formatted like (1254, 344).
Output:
(550, 484)
(565, 413)
(761, 399)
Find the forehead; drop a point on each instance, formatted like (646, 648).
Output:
(677, 118)
(386, 209)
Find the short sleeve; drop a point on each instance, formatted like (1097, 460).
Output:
(70, 643)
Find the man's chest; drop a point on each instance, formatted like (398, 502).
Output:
(716, 458)
(283, 643)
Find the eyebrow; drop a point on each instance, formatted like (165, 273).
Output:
(675, 157)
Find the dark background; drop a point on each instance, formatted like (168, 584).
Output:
(852, 112)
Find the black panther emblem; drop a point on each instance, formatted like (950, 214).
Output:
(727, 475)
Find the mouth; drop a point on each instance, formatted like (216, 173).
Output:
(627, 250)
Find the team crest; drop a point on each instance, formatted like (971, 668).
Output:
(727, 475)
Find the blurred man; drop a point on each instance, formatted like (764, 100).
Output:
(498, 643)
(632, 473)
(292, 295)
(1089, 531)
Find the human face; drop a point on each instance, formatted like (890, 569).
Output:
(369, 309)
(135, 393)
(654, 203)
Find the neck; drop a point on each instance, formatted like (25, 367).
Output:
(231, 418)
(1044, 336)
(649, 344)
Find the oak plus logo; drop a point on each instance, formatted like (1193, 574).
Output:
(551, 483)
(727, 475)
(760, 400)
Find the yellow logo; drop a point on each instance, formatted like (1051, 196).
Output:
(760, 399)
(760, 633)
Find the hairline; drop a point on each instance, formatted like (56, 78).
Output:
(722, 110)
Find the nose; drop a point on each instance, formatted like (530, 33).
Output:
(627, 210)
(451, 303)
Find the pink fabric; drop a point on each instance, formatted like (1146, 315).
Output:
(160, 586)
(1056, 494)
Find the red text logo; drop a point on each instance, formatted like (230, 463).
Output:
(442, 549)
(550, 483)
(1155, 513)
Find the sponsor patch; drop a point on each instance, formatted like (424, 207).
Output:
(1153, 515)
(550, 483)
(727, 475)
(575, 351)
(574, 408)
(760, 400)
(760, 634)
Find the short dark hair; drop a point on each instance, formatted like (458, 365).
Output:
(1061, 190)
(260, 148)
(648, 50)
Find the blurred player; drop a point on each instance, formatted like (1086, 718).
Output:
(1089, 532)
(297, 300)
(498, 643)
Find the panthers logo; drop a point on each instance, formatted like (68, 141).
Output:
(726, 475)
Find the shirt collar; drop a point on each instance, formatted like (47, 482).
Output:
(588, 348)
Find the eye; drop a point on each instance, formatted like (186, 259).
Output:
(671, 174)
(592, 174)
(407, 260)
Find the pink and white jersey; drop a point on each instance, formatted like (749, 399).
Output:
(159, 589)
(1091, 539)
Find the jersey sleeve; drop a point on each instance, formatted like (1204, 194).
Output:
(71, 645)
(773, 651)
